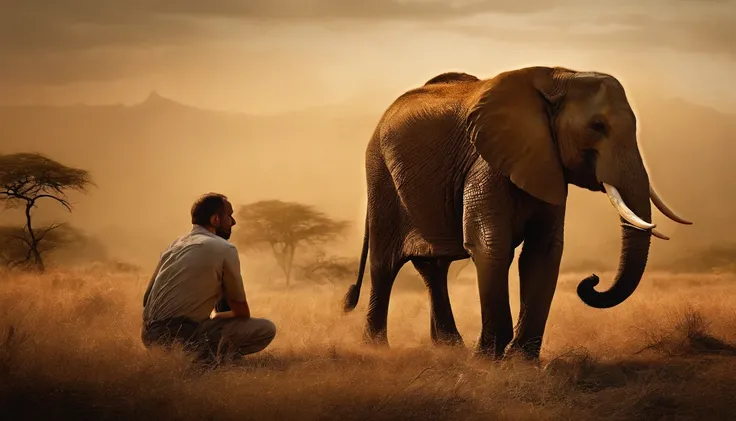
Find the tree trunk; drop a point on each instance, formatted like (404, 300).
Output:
(288, 261)
(37, 260)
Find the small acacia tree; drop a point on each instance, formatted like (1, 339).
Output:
(332, 269)
(284, 226)
(26, 178)
(66, 239)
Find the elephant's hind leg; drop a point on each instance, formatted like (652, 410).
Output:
(442, 322)
(383, 275)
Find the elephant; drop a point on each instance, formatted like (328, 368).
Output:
(463, 167)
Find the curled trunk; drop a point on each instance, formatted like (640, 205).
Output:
(634, 190)
(633, 261)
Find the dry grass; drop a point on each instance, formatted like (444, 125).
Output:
(70, 349)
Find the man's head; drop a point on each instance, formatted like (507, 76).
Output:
(215, 213)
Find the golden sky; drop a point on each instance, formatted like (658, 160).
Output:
(268, 56)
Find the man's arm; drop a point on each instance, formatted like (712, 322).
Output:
(153, 278)
(232, 284)
(237, 309)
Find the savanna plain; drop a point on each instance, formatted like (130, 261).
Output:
(70, 349)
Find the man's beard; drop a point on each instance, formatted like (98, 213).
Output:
(222, 233)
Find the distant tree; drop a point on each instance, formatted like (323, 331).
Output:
(63, 240)
(284, 227)
(13, 248)
(329, 268)
(25, 178)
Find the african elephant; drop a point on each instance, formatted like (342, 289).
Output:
(468, 168)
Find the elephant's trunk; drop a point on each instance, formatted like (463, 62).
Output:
(635, 211)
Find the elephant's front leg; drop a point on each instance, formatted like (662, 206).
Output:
(493, 286)
(488, 232)
(539, 266)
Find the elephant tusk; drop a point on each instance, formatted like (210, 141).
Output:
(659, 235)
(618, 202)
(654, 232)
(664, 209)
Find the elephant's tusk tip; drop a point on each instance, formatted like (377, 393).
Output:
(659, 235)
(664, 209)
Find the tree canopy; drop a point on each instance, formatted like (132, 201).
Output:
(27, 177)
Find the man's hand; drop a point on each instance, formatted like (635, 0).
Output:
(238, 309)
(221, 315)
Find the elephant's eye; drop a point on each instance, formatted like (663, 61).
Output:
(598, 126)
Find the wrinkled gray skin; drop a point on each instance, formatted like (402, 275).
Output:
(463, 167)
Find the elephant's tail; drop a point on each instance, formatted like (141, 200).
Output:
(351, 298)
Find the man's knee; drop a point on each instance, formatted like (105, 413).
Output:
(263, 331)
(254, 334)
(268, 328)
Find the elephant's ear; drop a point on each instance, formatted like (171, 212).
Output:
(508, 121)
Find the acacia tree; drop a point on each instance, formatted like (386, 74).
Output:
(330, 268)
(14, 249)
(284, 226)
(25, 178)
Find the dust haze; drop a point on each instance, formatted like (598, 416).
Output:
(277, 100)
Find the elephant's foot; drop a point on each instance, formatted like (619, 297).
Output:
(486, 354)
(526, 349)
(376, 338)
(446, 337)
(493, 346)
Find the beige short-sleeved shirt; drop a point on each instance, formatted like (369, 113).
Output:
(193, 272)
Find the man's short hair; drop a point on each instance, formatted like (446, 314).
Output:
(207, 205)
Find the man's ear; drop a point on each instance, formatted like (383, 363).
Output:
(215, 220)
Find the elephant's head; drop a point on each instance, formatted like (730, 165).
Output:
(546, 127)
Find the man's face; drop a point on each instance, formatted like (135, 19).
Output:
(224, 222)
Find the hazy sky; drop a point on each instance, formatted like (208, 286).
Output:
(276, 55)
(266, 56)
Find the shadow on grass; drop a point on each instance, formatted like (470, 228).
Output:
(689, 335)
(414, 384)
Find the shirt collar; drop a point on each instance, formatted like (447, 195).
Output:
(198, 229)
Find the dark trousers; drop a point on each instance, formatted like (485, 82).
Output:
(183, 331)
(210, 339)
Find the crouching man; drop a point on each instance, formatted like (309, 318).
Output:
(196, 295)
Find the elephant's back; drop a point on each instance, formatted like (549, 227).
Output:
(422, 143)
(439, 92)
(436, 107)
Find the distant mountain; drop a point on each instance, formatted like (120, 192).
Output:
(152, 158)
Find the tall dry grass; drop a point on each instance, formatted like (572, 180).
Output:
(70, 349)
